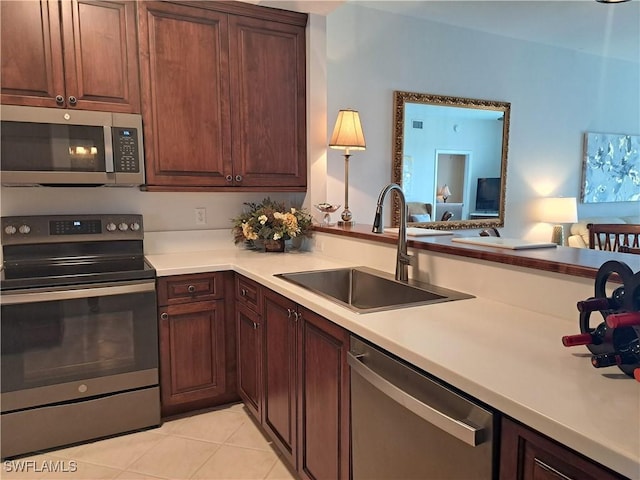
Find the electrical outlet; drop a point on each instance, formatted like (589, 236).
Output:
(201, 216)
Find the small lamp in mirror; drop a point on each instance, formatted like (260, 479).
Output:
(347, 136)
(558, 210)
(444, 192)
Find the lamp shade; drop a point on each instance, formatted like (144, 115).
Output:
(347, 133)
(558, 210)
(444, 191)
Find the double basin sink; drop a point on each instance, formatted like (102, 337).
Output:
(365, 290)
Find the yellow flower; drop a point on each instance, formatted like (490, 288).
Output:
(263, 219)
(248, 232)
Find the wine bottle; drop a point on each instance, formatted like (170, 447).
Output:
(602, 303)
(626, 344)
(623, 319)
(595, 337)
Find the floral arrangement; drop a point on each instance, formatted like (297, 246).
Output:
(270, 220)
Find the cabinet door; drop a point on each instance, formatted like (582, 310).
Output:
(101, 55)
(249, 341)
(528, 455)
(269, 122)
(192, 352)
(32, 68)
(185, 101)
(279, 407)
(323, 419)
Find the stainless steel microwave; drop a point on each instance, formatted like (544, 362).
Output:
(50, 146)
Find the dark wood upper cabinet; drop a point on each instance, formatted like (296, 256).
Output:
(268, 102)
(223, 96)
(70, 54)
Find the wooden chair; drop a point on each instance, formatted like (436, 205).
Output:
(611, 236)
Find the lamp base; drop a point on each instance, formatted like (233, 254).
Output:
(557, 236)
(346, 223)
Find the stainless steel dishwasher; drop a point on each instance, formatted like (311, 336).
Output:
(405, 425)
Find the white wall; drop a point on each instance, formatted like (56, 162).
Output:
(556, 95)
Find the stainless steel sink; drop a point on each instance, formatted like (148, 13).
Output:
(365, 290)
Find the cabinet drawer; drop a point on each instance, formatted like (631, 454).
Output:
(189, 288)
(248, 293)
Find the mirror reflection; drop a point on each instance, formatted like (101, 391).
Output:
(450, 157)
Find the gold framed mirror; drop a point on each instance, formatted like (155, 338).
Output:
(450, 158)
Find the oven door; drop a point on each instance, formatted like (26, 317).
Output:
(69, 343)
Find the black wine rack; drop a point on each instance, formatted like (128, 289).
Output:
(628, 300)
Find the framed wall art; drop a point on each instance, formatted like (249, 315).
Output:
(611, 168)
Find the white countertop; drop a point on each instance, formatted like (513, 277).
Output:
(508, 357)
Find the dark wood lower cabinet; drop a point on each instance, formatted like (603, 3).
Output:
(249, 340)
(323, 398)
(280, 386)
(302, 381)
(197, 342)
(527, 455)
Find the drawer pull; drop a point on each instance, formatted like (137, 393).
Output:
(191, 288)
(243, 292)
(289, 312)
(164, 316)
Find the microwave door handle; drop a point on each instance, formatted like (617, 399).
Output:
(108, 150)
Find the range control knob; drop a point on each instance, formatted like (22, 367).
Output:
(123, 227)
(10, 229)
(111, 227)
(24, 229)
(135, 226)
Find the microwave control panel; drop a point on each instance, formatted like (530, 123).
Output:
(125, 150)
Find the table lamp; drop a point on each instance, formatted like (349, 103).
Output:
(347, 135)
(558, 210)
(444, 192)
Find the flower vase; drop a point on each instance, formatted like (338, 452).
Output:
(274, 245)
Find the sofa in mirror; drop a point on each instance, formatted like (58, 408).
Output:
(450, 157)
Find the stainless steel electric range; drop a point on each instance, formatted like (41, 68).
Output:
(79, 331)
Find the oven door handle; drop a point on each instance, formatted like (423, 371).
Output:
(70, 293)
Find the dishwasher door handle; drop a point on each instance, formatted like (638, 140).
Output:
(469, 434)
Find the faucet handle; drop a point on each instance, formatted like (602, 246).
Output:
(405, 258)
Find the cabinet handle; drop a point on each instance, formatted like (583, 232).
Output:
(243, 292)
(72, 100)
(289, 312)
(164, 316)
(191, 288)
(551, 470)
(229, 178)
(238, 178)
(59, 99)
(255, 326)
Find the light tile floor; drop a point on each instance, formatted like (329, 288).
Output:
(223, 443)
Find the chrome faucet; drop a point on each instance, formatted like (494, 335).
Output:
(403, 259)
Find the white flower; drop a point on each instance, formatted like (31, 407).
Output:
(262, 219)
(277, 236)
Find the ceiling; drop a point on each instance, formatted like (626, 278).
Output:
(611, 30)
